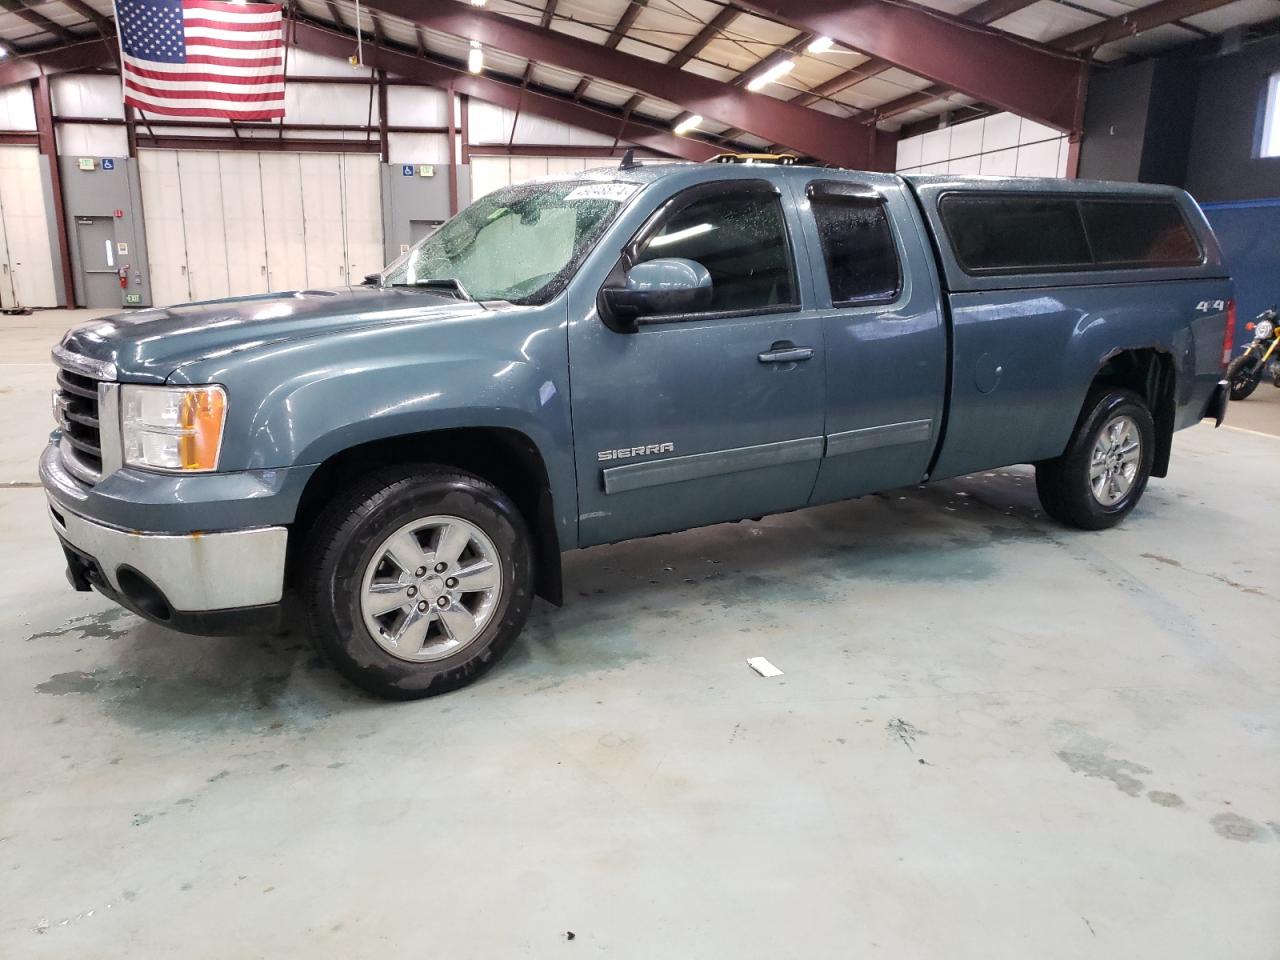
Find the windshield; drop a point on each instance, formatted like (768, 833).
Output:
(522, 243)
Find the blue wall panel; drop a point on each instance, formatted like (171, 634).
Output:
(1249, 231)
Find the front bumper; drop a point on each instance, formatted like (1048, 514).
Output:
(219, 579)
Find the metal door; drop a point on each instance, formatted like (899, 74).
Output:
(326, 255)
(166, 236)
(243, 220)
(283, 221)
(205, 229)
(99, 280)
(26, 228)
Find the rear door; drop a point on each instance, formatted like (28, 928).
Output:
(882, 326)
(698, 418)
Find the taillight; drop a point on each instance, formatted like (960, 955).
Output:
(1229, 335)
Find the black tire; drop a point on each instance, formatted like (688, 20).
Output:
(342, 543)
(1063, 483)
(1244, 375)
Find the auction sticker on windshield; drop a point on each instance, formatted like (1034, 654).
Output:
(618, 192)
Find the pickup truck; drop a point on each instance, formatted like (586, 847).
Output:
(614, 354)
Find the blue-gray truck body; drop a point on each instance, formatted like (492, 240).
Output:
(619, 432)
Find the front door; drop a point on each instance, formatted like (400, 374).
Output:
(693, 419)
(99, 262)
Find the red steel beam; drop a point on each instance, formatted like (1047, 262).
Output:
(1140, 20)
(987, 12)
(62, 59)
(810, 132)
(719, 23)
(1016, 75)
(48, 141)
(331, 43)
(1085, 40)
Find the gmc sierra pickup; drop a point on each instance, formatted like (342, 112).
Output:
(613, 354)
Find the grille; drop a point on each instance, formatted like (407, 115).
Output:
(76, 409)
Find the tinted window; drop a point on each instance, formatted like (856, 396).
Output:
(1032, 234)
(1130, 232)
(741, 239)
(857, 244)
(994, 233)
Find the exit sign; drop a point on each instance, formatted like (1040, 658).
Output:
(133, 298)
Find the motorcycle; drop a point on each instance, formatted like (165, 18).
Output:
(1260, 359)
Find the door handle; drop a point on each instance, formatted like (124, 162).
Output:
(786, 353)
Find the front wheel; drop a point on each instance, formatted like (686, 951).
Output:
(418, 580)
(1102, 474)
(1244, 375)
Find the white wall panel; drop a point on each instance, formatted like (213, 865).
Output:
(935, 146)
(282, 213)
(362, 203)
(8, 298)
(303, 63)
(527, 168)
(203, 224)
(87, 95)
(326, 257)
(488, 174)
(1001, 163)
(162, 214)
(489, 123)
(1038, 159)
(417, 148)
(909, 150)
(242, 214)
(17, 109)
(966, 140)
(334, 103)
(1000, 130)
(966, 166)
(28, 244)
(417, 107)
(92, 140)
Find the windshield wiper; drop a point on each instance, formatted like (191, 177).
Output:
(452, 284)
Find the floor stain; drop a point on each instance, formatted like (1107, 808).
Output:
(104, 625)
(1097, 765)
(74, 681)
(1164, 799)
(903, 731)
(1232, 826)
(1226, 581)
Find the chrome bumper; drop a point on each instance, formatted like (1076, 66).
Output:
(194, 571)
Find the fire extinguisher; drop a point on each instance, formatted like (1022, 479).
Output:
(124, 277)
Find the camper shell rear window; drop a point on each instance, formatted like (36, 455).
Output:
(1011, 233)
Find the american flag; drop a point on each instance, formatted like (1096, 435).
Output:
(202, 58)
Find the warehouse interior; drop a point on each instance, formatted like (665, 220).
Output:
(992, 736)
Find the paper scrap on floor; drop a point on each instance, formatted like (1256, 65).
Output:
(763, 667)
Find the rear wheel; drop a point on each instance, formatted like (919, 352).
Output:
(1244, 375)
(1102, 474)
(419, 579)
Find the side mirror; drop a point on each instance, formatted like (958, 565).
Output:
(664, 286)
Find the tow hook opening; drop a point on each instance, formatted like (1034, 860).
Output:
(143, 594)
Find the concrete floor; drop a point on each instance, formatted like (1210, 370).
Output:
(994, 738)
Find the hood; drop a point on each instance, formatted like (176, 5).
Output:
(148, 345)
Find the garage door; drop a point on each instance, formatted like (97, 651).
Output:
(26, 256)
(233, 223)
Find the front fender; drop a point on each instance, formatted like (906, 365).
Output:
(303, 401)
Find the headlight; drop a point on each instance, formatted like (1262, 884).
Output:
(1263, 330)
(172, 428)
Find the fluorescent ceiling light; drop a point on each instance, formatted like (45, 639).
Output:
(772, 74)
(685, 234)
(821, 45)
(478, 3)
(475, 57)
(688, 123)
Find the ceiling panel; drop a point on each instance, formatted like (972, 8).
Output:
(1046, 20)
(1240, 13)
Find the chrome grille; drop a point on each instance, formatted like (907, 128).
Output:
(76, 402)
